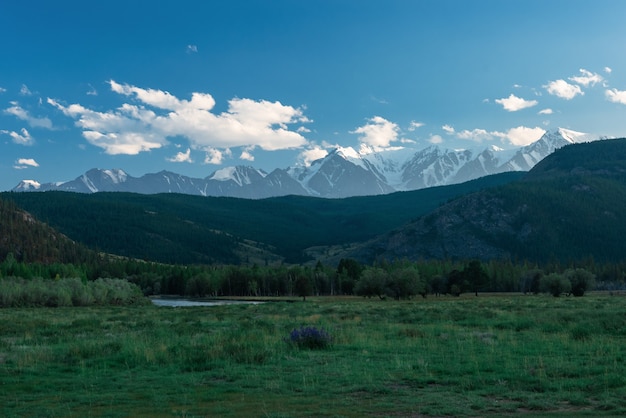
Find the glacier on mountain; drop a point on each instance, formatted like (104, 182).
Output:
(344, 172)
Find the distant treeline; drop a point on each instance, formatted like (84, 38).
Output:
(399, 279)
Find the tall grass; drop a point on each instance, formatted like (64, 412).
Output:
(461, 356)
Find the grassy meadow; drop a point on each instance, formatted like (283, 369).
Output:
(472, 356)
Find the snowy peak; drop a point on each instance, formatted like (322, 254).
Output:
(241, 175)
(343, 172)
(28, 185)
(116, 175)
(574, 137)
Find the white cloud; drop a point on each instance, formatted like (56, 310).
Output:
(23, 114)
(616, 96)
(563, 89)
(2, 90)
(123, 131)
(514, 103)
(379, 132)
(27, 162)
(182, 157)
(246, 155)
(448, 129)
(608, 70)
(435, 139)
(522, 135)
(131, 128)
(547, 111)
(215, 156)
(25, 91)
(22, 138)
(414, 125)
(587, 78)
(478, 135)
(192, 49)
(307, 156)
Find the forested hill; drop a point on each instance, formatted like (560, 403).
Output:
(569, 207)
(32, 241)
(184, 229)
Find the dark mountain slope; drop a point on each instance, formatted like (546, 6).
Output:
(179, 228)
(32, 241)
(570, 206)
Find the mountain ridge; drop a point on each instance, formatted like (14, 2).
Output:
(344, 172)
(566, 208)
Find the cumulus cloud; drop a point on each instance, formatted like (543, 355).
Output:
(448, 129)
(616, 96)
(25, 162)
(21, 138)
(216, 156)
(547, 111)
(514, 103)
(307, 156)
(246, 155)
(563, 89)
(2, 90)
(157, 115)
(125, 130)
(587, 78)
(24, 115)
(192, 49)
(379, 132)
(182, 157)
(477, 135)
(515, 136)
(522, 135)
(608, 70)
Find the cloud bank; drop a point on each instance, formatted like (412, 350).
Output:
(153, 116)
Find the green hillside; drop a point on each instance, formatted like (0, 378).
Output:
(186, 229)
(569, 207)
(31, 241)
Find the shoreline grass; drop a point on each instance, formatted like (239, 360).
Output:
(534, 355)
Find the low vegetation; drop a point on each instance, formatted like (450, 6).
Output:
(19, 292)
(449, 356)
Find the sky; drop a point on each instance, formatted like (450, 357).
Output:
(195, 86)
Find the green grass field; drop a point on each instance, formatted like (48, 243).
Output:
(473, 356)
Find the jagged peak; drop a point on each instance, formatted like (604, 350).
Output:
(239, 174)
(28, 185)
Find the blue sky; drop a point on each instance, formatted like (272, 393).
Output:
(193, 86)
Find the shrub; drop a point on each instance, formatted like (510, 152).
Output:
(309, 337)
(581, 280)
(555, 284)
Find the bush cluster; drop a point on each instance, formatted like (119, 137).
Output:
(309, 337)
(19, 292)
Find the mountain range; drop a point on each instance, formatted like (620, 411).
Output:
(568, 208)
(344, 172)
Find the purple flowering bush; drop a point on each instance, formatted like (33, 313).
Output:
(309, 337)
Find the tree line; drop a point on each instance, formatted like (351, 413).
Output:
(395, 280)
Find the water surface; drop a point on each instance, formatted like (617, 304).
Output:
(186, 302)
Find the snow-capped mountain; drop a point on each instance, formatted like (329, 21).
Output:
(343, 172)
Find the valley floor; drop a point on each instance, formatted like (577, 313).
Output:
(468, 356)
